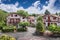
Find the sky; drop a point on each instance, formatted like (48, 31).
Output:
(31, 6)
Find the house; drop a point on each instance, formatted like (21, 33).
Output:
(50, 19)
(58, 21)
(14, 19)
(32, 19)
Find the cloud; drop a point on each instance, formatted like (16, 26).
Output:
(14, 8)
(36, 3)
(10, 7)
(50, 7)
(16, 4)
(34, 8)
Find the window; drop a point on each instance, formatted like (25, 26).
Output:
(33, 20)
(44, 17)
(17, 20)
(15, 15)
(23, 17)
(55, 23)
(11, 15)
(54, 17)
(44, 24)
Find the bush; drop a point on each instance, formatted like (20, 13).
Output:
(54, 28)
(40, 26)
(8, 29)
(6, 37)
(39, 18)
(2, 24)
(21, 29)
(24, 24)
(57, 30)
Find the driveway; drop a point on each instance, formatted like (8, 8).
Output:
(29, 35)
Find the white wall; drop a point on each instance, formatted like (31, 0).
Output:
(58, 24)
(51, 18)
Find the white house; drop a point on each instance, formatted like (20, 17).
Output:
(14, 19)
(50, 19)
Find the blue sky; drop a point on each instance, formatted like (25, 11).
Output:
(32, 6)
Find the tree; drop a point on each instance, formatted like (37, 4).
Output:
(59, 14)
(3, 15)
(47, 12)
(40, 26)
(34, 15)
(23, 13)
(56, 13)
(39, 18)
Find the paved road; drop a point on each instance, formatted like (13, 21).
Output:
(29, 35)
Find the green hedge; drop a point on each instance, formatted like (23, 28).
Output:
(21, 29)
(12, 28)
(8, 29)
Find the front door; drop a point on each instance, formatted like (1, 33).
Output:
(48, 24)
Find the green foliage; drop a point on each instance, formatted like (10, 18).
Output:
(3, 15)
(40, 26)
(39, 18)
(24, 24)
(52, 27)
(47, 12)
(6, 37)
(23, 13)
(8, 28)
(21, 29)
(56, 13)
(2, 24)
(34, 15)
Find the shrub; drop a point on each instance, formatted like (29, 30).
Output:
(52, 27)
(21, 29)
(57, 30)
(39, 18)
(6, 37)
(2, 24)
(40, 26)
(24, 24)
(8, 29)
